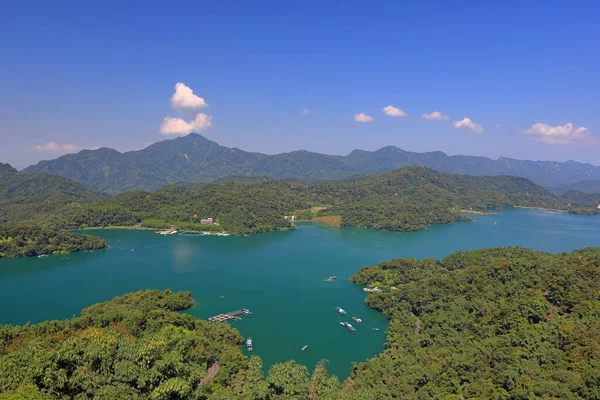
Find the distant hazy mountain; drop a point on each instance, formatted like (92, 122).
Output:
(587, 186)
(195, 159)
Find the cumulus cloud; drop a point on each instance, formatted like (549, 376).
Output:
(392, 111)
(184, 97)
(305, 111)
(564, 134)
(435, 115)
(54, 147)
(362, 117)
(178, 126)
(467, 123)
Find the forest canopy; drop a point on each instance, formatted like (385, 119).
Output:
(501, 323)
(24, 240)
(402, 200)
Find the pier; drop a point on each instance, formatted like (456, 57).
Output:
(231, 315)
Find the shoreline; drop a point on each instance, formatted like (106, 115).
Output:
(479, 212)
(141, 228)
(542, 209)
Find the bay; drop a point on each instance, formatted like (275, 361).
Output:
(279, 276)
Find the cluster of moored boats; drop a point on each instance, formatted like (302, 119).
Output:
(347, 324)
(172, 232)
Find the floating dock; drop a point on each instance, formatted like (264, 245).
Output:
(233, 315)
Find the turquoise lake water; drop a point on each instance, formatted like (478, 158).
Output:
(278, 275)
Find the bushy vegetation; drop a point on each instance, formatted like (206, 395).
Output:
(582, 203)
(134, 346)
(138, 347)
(403, 200)
(38, 198)
(29, 240)
(503, 323)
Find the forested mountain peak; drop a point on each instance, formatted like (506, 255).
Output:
(196, 159)
(7, 169)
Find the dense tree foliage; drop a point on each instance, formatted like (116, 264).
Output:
(402, 200)
(195, 159)
(35, 197)
(412, 198)
(137, 346)
(30, 240)
(581, 202)
(503, 323)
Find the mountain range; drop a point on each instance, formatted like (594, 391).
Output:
(195, 159)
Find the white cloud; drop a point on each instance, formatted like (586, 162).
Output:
(362, 117)
(94, 147)
(54, 147)
(305, 111)
(184, 97)
(564, 134)
(467, 123)
(178, 126)
(435, 115)
(392, 111)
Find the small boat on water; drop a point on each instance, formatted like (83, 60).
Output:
(304, 347)
(341, 311)
(235, 318)
(348, 326)
(331, 279)
(355, 318)
(246, 312)
(375, 329)
(43, 255)
(167, 232)
(249, 344)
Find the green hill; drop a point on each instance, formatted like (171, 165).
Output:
(405, 199)
(505, 323)
(195, 159)
(37, 197)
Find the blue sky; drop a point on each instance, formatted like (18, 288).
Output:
(525, 73)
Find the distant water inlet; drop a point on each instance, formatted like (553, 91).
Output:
(282, 277)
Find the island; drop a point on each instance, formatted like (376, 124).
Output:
(24, 240)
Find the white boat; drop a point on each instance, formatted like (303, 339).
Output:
(249, 344)
(304, 347)
(172, 232)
